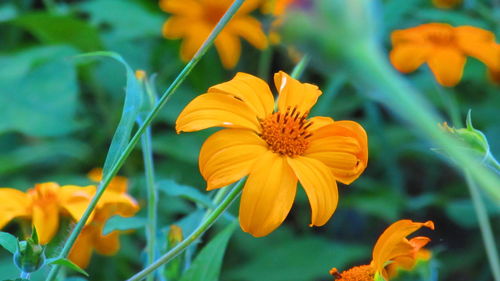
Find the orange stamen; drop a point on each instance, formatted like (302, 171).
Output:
(357, 273)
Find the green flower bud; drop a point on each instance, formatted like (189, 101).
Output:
(30, 255)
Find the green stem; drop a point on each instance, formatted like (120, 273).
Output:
(147, 153)
(492, 162)
(484, 225)
(204, 226)
(265, 63)
(450, 103)
(300, 67)
(371, 65)
(135, 139)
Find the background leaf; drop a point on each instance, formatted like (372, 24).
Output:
(8, 242)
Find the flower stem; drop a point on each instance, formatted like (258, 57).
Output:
(484, 225)
(300, 67)
(204, 226)
(147, 153)
(135, 139)
(24, 275)
(265, 59)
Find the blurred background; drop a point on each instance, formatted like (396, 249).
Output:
(58, 115)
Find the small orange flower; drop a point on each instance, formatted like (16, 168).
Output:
(43, 204)
(193, 20)
(446, 4)
(391, 252)
(443, 47)
(275, 149)
(114, 201)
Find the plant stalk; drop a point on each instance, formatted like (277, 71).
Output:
(135, 139)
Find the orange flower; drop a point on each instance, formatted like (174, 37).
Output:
(193, 20)
(391, 252)
(446, 4)
(443, 47)
(43, 204)
(114, 201)
(276, 7)
(275, 149)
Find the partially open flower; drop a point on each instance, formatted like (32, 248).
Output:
(393, 251)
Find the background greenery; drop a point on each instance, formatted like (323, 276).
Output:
(58, 116)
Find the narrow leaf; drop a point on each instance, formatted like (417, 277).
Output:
(121, 223)
(172, 188)
(67, 263)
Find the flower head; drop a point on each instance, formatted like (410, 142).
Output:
(444, 48)
(193, 20)
(274, 148)
(392, 251)
(446, 4)
(114, 201)
(43, 204)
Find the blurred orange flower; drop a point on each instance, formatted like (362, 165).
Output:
(391, 252)
(193, 20)
(275, 149)
(446, 4)
(43, 204)
(115, 201)
(443, 47)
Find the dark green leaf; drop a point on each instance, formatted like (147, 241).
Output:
(121, 223)
(207, 264)
(172, 188)
(67, 263)
(8, 242)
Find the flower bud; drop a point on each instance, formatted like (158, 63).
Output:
(29, 256)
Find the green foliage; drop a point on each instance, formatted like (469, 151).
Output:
(8, 242)
(68, 264)
(172, 188)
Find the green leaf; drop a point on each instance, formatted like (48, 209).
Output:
(121, 223)
(8, 242)
(38, 92)
(55, 29)
(207, 264)
(131, 107)
(172, 188)
(67, 263)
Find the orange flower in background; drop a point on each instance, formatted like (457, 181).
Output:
(193, 20)
(276, 7)
(275, 149)
(443, 47)
(446, 4)
(114, 201)
(392, 251)
(43, 204)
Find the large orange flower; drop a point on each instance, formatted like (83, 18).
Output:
(193, 20)
(43, 204)
(115, 201)
(443, 47)
(275, 149)
(391, 252)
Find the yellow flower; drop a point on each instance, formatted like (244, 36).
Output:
(114, 201)
(446, 4)
(275, 149)
(193, 20)
(391, 252)
(444, 48)
(43, 204)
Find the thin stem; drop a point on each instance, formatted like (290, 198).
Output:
(265, 59)
(300, 67)
(450, 103)
(24, 275)
(147, 153)
(204, 226)
(484, 225)
(135, 139)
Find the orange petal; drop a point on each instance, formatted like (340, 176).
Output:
(198, 33)
(343, 147)
(216, 110)
(13, 203)
(320, 187)
(268, 195)
(182, 7)
(176, 27)
(229, 48)
(46, 221)
(478, 43)
(447, 64)
(250, 29)
(114, 203)
(108, 244)
(248, 6)
(318, 122)
(408, 57)
(250, 89)
(229, 155)
(118, 183)
(293, 93)
(81, 252)
(393, 243)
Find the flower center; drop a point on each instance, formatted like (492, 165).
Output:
(357, 273)
(443, 37)
(286, 133)
(214, 12)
